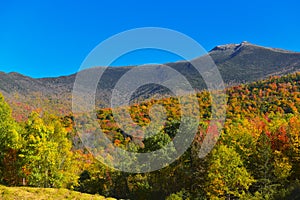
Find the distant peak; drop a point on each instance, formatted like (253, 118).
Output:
(230, 46)
(14, 73)
(244, 43)
(236, 47)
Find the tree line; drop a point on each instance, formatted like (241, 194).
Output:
(256, 157)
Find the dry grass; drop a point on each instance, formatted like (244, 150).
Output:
(26, 193)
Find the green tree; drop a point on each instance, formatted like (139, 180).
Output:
(227, 176)
(47, 155)
(8, 133)
(10, 141)
(263, 167)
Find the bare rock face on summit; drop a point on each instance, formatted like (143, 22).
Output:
(245, 62)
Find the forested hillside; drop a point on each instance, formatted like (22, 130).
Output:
(256, 157)
(237, 63)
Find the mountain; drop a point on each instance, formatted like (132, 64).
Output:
(246, 62)
(237, 63)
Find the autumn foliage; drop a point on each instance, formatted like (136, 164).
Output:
(256, 157)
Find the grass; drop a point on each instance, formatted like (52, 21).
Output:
(24, 193)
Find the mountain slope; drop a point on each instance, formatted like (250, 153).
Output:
(237, 63)
(246, 62)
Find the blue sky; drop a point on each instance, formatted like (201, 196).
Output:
(52, 38)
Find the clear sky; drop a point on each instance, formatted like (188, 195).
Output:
(51, 38)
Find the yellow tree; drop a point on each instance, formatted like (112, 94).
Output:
(47, 154)
(10, 142)
(227, 177)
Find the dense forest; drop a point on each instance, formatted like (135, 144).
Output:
(256, 157)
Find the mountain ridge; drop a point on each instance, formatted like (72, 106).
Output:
(237, 63)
